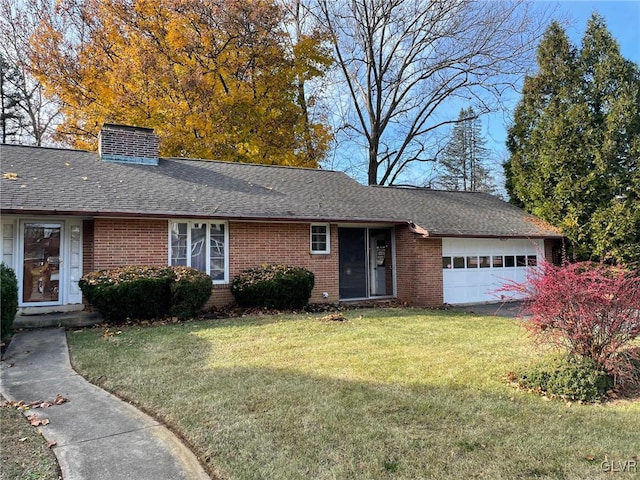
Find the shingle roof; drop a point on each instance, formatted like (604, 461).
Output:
(449, 213)
(76, 182)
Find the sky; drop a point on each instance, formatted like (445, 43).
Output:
(623, 22)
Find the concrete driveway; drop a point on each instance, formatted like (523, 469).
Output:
(506, 309)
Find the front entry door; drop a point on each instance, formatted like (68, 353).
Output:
(41, 263)
(379, 256)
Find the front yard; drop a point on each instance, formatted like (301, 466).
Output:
(397, 393)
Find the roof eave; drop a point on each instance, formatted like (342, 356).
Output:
(141, 214)
(424, 233)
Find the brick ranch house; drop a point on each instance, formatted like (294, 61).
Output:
(69, 212)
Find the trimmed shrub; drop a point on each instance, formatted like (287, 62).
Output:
(273, 286)
(143, 292)
(8, 299)
(189, 292)
(570, 377)
(128, 292)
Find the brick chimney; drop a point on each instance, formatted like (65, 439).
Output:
(125, 144)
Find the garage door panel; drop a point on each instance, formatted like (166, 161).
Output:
(472, 284)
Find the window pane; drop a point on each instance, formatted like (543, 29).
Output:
(484, 262)
(472, 262)
(319, 238)
(198, 246)
(521, 261)
(458, 262)
(509, 261)
(446, 262)
(497, 261)
(179, 244)
(532, 260)
(217, 251)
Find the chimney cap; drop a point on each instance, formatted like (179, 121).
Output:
(131, 128)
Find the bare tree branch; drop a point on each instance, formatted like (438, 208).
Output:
(40, 113)
(404, 63)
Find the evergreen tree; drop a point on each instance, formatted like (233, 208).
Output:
(10, 98)
(465, 156)
(575, 143)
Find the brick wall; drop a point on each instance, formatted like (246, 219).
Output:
(87, 246)
(252, 244)
(118, 242)
(405, 263)
(419, 268)
(428, 275)
(112, 243)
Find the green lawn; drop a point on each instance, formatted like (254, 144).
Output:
(397, 393)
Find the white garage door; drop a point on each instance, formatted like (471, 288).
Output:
(472, 269)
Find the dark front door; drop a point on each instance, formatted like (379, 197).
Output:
(352, 245)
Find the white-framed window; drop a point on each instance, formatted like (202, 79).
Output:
(201, 245)
(320, 238)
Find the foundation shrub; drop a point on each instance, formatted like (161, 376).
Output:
(273, 286)
(145, 292)
(8, 299)
(190, 290)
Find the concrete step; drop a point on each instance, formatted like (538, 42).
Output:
(48, 320)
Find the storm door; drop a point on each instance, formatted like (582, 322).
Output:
(352, 245)
(380, 263)
(41, 263)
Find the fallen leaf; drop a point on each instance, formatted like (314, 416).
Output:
(10, 176)
(37, 422)
(591, 458)
(59, 400)
(51, 444)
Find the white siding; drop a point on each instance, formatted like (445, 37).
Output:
(74, 263)
(8, 243)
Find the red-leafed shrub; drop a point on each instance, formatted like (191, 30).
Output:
(589, 310)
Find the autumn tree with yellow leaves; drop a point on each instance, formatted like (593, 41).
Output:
(217, 79)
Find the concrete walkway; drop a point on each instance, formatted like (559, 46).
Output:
(97, 435)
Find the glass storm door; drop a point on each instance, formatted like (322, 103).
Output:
(379, 262)
(41, 263)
